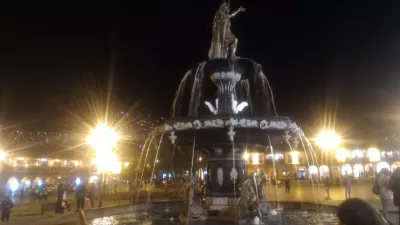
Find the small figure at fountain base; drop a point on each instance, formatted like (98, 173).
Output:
(253, 204)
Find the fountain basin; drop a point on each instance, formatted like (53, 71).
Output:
(293, 213)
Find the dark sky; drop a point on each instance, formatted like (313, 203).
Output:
(313, 52)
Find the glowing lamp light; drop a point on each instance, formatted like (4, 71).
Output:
(374, 155)
(93, 179)
(341, 155)
(382, 165)
(103, 139)
(255, 159)
(295, 157)
(246, 156)
(78, 181)
(328, 140)
(116, 167)
(14, 186)
(2, 155)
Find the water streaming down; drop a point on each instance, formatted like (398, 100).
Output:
(141, 155)
(275, 171)
(312, 181)
(152, 172)
(141, 176)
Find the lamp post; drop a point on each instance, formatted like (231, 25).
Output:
(374, 156)
(103, 139)
(341, 157)
(328, 141)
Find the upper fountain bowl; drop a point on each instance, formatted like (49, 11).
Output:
(219, 86)
(231, 97)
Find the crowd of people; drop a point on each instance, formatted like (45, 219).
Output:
(82, 192)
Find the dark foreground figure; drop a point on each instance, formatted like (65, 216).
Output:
(358, 212)
(6, 205)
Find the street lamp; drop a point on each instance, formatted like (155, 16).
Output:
(341, 155)
(374, 155)
(104, 139)
(328, 140)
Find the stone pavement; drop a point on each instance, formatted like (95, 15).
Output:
(50, 217)
(301, 192)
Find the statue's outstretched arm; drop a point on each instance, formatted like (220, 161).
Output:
(241, 9)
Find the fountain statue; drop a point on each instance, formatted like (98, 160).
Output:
(224, 42)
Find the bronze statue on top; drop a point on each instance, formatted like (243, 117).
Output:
(224, 42)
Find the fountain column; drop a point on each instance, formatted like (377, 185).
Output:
(223, 179)
(226, 83)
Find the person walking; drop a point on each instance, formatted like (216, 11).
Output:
(347, 185)
(394, 184)
(65, 203)
(60, 192)
(287, 186)
(21, 192)
(80, 197)
(6, 205)
(385, 194)
(327, 184)
(92, 194)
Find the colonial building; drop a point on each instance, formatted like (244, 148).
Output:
(358, 163)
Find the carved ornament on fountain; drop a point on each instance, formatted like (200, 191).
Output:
(220, 176)
(234, 174)
(172, 137)
(263, 124)
(293, 132)
(218, 151)
(232, 76)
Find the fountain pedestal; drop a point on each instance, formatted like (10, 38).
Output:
(225, 171)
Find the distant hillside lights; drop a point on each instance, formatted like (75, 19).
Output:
(41, 162)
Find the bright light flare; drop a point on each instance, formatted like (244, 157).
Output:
(341, 155)
(246, 156)
(374, 155)
(255, 159)
(3, 155)
(14, 186)
(116, 167)
(103, 139)
(295, 157)
(328, 140)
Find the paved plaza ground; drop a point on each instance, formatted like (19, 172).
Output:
(304, 192)
(28, 213)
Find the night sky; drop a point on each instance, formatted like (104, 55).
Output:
(316, 54)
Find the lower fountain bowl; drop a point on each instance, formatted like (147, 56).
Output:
(293, 214)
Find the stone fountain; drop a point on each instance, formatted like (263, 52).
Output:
(224, 106)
